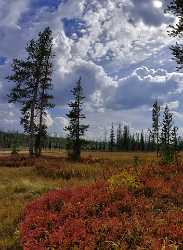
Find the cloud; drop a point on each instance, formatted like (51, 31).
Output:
(8, 117)
(59, 123)
(143, 86)
(119, 47)
(11, 12)
(49, 120)
(151, 12)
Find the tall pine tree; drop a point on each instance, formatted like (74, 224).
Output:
(156, 125)
(45, 44)
(119, 138)
(166, 136)
(142, 142)
(32, 77)
(112, 139)
(126, 138)
(75, 129)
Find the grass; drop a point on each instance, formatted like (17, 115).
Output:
(20, 185)
(17, 187)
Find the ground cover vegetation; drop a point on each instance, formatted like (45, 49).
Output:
(137, 207)
(23, 179)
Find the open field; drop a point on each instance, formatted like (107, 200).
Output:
(22, 184)
(95, 154)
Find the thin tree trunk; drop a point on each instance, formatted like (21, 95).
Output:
(77, 150)
(39, 136)
(157, 146)
(31, 139)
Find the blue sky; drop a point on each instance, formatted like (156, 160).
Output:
(119, 47)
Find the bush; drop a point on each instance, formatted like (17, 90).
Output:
(94, 218)
(123, 179)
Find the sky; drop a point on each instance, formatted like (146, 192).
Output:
(120, 48)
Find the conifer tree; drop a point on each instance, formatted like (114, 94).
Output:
(167, 126)
(112, 139)
(166, 135)
(142, 142)
(174, 138)
(45, 44)
(75, 129)
(32, 77)
(126, 138)
(156, 125)
(176, 7)
(174, 141)
(119, 137)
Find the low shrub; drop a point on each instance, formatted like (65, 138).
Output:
(124, 178)
(93, 218)
(66, 169)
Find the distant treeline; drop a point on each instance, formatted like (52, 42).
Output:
(120, 141)
(10, 140)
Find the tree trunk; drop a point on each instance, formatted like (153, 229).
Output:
(38, 147)
(31, 139)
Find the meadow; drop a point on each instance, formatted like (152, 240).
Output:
(23, 181)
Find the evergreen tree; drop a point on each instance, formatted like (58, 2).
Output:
(138, 141)
(126, 138)
(112, 139)
(142, 143)
(156, 125)
(119, 138)
(167, 126)
(176, 7)
(32, 77)
(75, 129)
(133, 143)
(45, 45)
(174, 138)
(166, 135)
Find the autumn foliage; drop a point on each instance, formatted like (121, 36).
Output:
(143, 211)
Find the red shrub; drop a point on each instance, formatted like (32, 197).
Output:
(92, 217)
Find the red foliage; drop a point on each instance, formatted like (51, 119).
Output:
(91, 217)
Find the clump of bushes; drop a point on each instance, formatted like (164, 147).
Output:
(81, 218)
(124, 178)
(93, 217)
